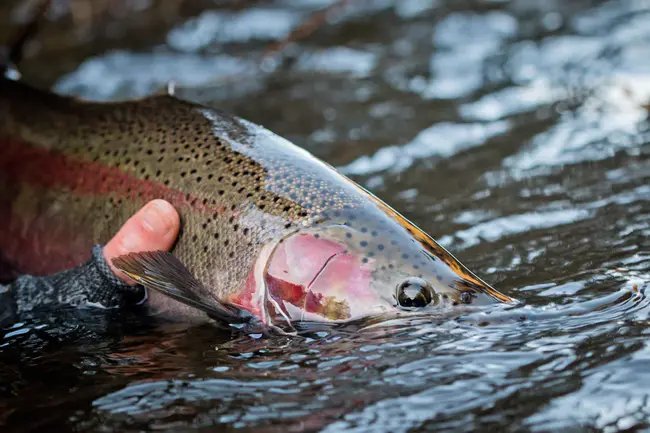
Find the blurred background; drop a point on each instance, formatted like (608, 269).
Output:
(513, 131)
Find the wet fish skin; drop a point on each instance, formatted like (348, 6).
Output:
(72, 172)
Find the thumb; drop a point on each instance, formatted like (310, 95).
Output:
(154, 227)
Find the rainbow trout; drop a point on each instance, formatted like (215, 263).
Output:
(268, 230)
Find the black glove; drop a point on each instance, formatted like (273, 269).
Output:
(91, 284)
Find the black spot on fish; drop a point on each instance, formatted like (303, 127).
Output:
(363, 244)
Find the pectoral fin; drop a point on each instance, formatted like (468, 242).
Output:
(161, 271)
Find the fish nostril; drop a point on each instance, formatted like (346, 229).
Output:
(415, 293)
(466, 298)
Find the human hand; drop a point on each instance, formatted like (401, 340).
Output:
(154, 227)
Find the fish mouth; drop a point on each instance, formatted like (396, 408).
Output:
(497, 296)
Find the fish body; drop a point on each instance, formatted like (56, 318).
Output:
(266, 227)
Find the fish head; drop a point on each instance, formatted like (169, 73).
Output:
(367, 264)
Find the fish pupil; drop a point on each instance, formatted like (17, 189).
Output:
(414, 293)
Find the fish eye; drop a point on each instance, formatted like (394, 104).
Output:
(415, 293)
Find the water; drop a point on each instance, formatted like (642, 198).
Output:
(515, 132)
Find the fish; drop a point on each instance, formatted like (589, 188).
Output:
(268, 231)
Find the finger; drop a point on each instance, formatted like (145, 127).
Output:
(154, 227)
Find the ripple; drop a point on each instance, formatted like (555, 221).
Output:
(121, 74)
(442, 139)
(514, 224)
(464, 43)
(338, 60)
(582, 135)
(226, 27)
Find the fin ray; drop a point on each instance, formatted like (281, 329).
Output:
(163, 272)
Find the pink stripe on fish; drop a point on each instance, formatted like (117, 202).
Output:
(22, 162)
